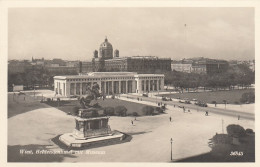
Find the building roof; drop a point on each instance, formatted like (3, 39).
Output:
(107, 74)
(106, 44)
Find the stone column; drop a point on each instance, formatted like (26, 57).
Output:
(67, 89)
(112, 87)
(75, 88)
(157, 85)
(119, 85)
(99, 83)
(149, 85)
(126, 86)
(80, 89)
(133, 86)
(144, 86)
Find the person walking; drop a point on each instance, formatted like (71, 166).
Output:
(132, 122)
(207, 113)
(170, 119)
(238, 117)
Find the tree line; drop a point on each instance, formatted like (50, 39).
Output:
(239, 75)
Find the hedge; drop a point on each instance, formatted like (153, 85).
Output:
(120, 110)
(148, 110)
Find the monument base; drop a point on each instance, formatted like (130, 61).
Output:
(70, 140)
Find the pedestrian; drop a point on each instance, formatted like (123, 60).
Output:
(170, 119)
(238, 117)
(184, 109)
(188, 110)
(132, 122)
(207, 113)
(138, 98)
(135, 118)
(174, 106)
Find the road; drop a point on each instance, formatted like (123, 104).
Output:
(227, 112)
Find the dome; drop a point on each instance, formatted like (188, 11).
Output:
(106, 45)
(106, 50)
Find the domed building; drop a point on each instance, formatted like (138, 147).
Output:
(106, 50)
(104, 61)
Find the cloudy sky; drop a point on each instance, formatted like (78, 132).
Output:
(74, 33)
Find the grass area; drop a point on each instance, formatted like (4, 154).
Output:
(21, 104)
(67, 106)
(231, 97)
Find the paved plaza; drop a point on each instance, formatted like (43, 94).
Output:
(151, 135)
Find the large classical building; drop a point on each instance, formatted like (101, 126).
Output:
(200, 65)
(107, 59)
(109, 83)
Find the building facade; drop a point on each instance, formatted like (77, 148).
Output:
(200, 65)
(109, 83)
(108, 60)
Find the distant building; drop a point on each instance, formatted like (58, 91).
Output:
(17, 88)
(184, 65)
(200, 65)
(107, 60)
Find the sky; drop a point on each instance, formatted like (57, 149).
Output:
(74, 33)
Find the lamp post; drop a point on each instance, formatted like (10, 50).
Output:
(171, 149)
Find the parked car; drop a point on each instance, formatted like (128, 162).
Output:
(164, 99)
(145, 94)
(21, 93)
(182, 101)
(201, 104)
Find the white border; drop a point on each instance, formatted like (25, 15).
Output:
(4, 5)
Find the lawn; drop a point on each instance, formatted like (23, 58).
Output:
(231, 97)
(67, 106)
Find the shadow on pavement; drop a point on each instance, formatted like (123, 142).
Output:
(15, 155)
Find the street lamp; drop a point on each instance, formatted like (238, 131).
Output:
(171, 149)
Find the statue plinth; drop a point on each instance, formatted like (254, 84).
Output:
(91, 127)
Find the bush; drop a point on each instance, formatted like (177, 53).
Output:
(222, 139)
(213, 102)
(236, 102)
(109, 111)
(248, 97)
(76, 111)
(159, 109)
(120, 110)
(148, 110)
(236, 130)
(135, 114)
(48, 100)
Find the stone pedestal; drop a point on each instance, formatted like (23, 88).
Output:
(91, 127)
